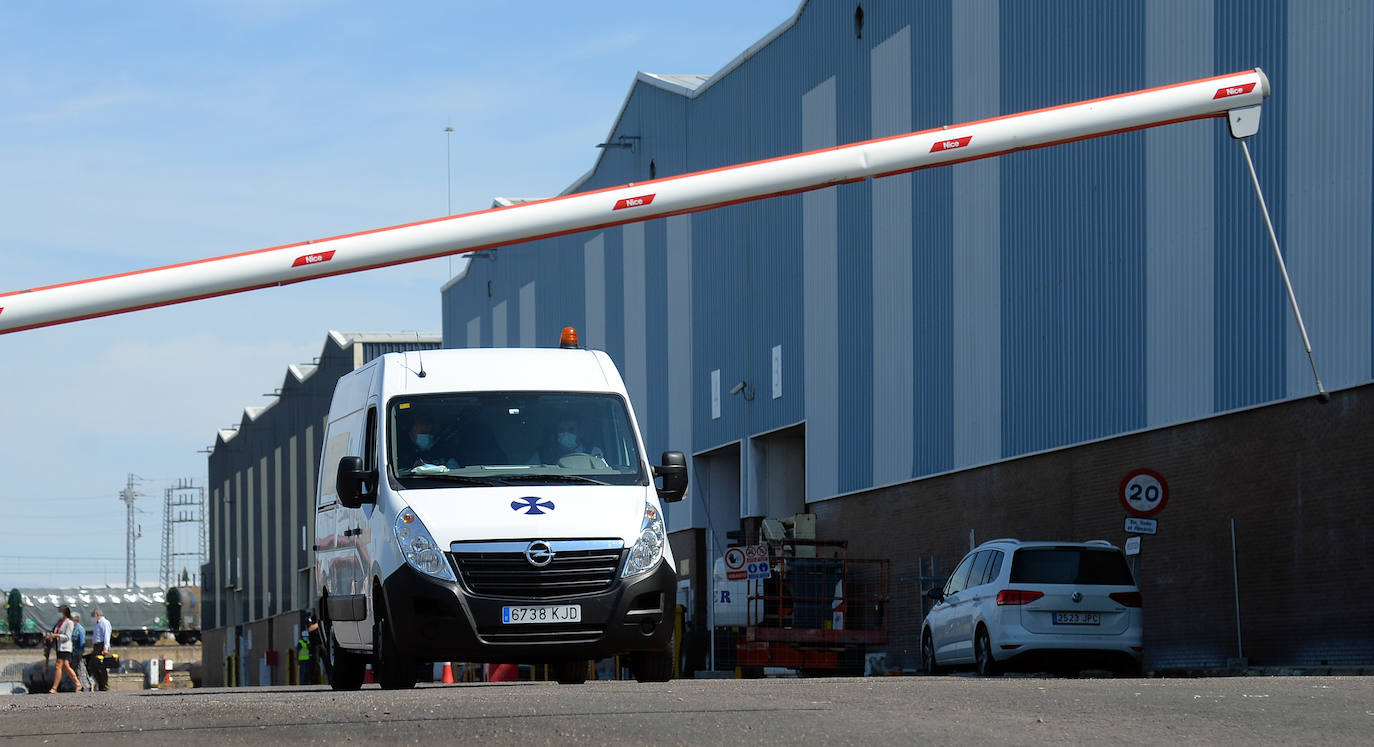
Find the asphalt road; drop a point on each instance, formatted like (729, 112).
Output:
(891, 710)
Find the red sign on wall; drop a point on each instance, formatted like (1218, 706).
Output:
(1144, 492)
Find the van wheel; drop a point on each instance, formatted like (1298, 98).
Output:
(654, 666)
(570, 672)
(344, 668)
(982, 654)
(395, 671)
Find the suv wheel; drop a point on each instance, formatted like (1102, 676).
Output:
(982, 654)
(928, 665)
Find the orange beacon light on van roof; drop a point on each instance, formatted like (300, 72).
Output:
(569, 338)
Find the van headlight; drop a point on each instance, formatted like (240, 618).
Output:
(648, 549)
(419, 547)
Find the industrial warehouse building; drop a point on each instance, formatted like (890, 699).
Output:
(912, 364)
(987, 350)
(259, 579)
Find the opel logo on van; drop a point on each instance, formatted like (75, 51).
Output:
(539, 553)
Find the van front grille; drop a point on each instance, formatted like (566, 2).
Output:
(501, 569)
(543, 636)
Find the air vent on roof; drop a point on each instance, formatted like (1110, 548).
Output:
(858, 21)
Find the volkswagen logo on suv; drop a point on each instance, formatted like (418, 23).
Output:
(539, 553)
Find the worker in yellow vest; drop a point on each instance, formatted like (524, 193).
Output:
(307, 665)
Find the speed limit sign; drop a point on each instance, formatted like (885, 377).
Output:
(1144, 492)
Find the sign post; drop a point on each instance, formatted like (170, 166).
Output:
(1143, 494)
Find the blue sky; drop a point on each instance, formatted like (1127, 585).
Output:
(134, 135)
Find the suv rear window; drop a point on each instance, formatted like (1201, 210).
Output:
(1070, 565)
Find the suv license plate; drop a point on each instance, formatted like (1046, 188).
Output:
(547, 613)
(1077, 618)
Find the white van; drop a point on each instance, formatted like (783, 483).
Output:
(491, 505)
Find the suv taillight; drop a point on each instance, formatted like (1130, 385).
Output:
(1017, 596)
(1127, 598)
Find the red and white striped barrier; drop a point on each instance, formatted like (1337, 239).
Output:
(294, 263)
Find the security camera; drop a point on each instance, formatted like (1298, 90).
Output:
(736, 389)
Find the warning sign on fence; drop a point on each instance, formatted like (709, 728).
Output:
(750, 563)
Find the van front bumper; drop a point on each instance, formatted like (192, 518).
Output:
(436, 620)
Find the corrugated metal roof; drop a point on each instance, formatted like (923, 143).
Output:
(344, 339)
(689, 86)
(299, 373)
(682, 84)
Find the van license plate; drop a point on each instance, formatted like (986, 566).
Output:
(548, 613)
(1077, 618)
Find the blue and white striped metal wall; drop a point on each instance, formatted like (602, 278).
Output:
(959, 316)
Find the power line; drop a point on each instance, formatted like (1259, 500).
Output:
(72, 533)
(47, 499)
(57, 557)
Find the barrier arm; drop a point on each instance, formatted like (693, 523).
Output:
(293, 263)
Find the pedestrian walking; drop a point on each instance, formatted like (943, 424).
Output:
(100, 647)
(62, 640)
(78, 659)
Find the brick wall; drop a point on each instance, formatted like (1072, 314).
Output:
(1297, 477)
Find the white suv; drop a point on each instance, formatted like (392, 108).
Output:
(1047, 605)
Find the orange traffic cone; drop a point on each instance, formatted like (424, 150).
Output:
(367, 674)
(447, 679)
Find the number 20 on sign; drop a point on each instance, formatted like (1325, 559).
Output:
(1144, 492)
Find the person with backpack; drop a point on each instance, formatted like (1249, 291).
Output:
(83, 676)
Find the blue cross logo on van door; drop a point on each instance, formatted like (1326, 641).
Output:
(532, 505)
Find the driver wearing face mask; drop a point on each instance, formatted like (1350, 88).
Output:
(424, 443)
(570, 439)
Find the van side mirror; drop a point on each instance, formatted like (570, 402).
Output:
(674, 474)
(937, 594)
(351, 483)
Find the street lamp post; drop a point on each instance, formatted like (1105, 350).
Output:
(448, 174)
(448, 166)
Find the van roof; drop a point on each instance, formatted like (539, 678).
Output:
(500, 369)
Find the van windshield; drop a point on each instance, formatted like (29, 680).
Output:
(476, 439)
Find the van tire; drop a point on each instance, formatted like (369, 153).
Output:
(570, 672)
(654, 666)
(346, 669)
(397, 672)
